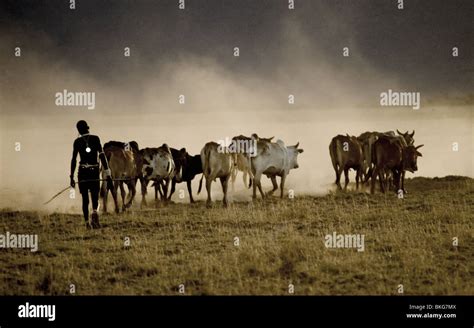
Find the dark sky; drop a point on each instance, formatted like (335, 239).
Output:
(412, 45)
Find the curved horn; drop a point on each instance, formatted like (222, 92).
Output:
(419, 146)
(412, 134)
(297, 144)
(399, 132)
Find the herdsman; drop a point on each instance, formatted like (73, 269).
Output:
(89, 148)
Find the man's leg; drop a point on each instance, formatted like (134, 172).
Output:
(85, 207)
(95, 205)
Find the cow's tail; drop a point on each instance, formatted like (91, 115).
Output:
(373, 154)
(205, 154)
(251, 176)
(374, 161)
(200, 184)
(333, 152)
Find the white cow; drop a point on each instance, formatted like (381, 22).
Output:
(216, 164)
(242, 159)
(273, 159)
(158, 165)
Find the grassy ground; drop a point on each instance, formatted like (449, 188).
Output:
(407, 242)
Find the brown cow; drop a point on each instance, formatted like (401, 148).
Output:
(391, 154)
(216, 164)
(367, 140)
(123, 166)
(346, 153)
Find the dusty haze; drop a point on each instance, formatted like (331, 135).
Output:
(137, 97)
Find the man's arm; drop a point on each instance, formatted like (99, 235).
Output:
(73, 164)
(102, 157)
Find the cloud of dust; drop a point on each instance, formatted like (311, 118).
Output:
(219, 103)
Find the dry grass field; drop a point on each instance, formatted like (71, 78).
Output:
(407, 241)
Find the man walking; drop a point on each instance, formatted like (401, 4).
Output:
(89, 148)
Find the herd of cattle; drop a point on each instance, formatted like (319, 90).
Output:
(385, 155)
(372, 154)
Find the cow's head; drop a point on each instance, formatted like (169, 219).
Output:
(410, 156)
(256, 137)
(134, 146)
(408, 137)
(293, 153)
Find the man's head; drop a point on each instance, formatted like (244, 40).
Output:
(82, 127)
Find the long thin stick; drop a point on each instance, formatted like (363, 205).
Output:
(90, 180)
(59, 193)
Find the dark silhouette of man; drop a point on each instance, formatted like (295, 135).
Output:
(89, 148)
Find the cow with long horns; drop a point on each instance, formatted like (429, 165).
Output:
(390, 154)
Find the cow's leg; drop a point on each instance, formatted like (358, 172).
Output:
(373, 179)
(396, 180)
(388, 183)
(104, 192)
(158, 190)
(123, 193)
(369, 174)
(165, 185)
(363, 173)
(336, 169)
(382, 180)
(275, 185)
(259, 185)
(282, 184)
(132, 191)
(403, 182)
(346, 178)
(163, 195)
(143, 184)
(224, 183)
(188, 184)
(114, 195)
(208, 189)
(173, 188)
(256, 178)
(338, 177)
(244, 177)
(233, 177)
(358, 176)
